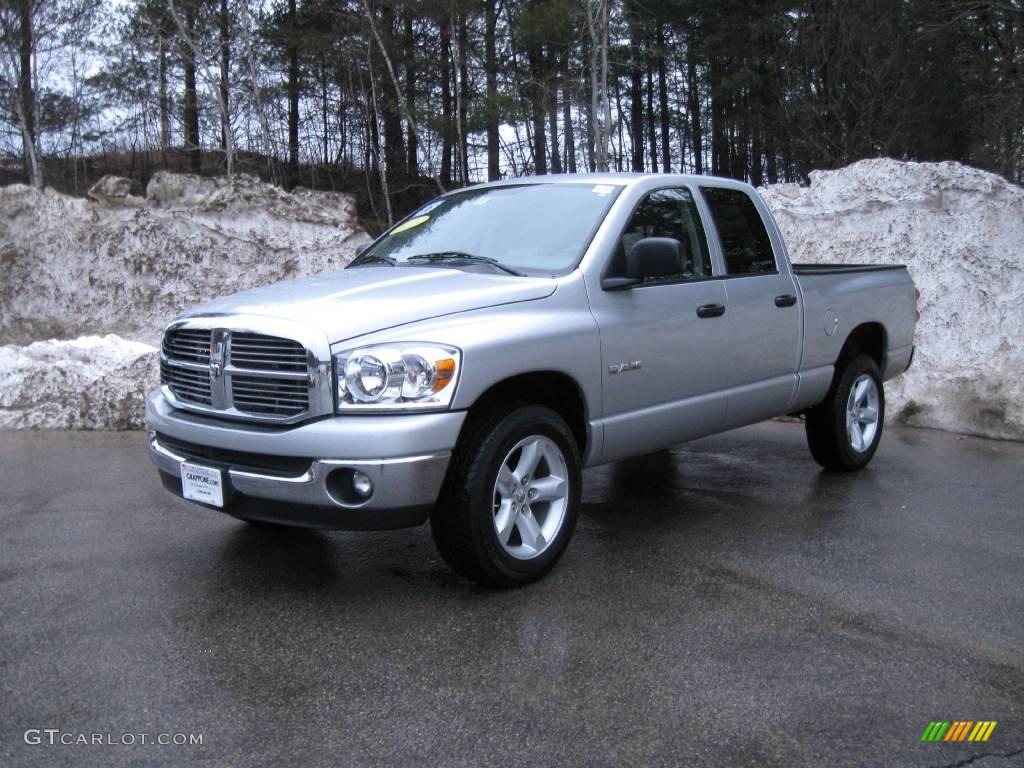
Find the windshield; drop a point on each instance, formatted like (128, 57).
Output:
(524, 229)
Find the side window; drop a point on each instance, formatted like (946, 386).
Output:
(745, 242)
(668, 213)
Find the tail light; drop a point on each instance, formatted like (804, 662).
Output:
(917, 304)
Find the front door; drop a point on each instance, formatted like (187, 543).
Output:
(664, 366)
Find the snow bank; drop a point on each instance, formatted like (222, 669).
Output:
(961, 233)
(95, 382)
(116, 263)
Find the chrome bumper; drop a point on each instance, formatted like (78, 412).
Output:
(404, 486)
(407, 482)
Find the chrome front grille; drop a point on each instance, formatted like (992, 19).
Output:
(255, 351)
(240, 374)
(253, 394)
(187, 384)
(187, 344)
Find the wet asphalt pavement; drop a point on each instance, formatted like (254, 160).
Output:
(722, 604)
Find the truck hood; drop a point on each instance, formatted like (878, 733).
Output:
(354, 302)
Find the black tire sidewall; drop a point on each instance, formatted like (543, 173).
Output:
(520, 423)
(862, 364)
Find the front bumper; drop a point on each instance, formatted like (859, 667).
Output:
(405, 457)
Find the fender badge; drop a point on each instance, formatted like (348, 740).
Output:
(623, 367)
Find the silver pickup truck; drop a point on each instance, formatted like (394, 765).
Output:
(480, 354)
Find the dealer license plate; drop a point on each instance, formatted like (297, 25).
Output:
(202, 484)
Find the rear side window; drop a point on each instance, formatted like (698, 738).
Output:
(745, 242)
(668, 213)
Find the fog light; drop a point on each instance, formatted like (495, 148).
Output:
(349, 487)
(362, 484)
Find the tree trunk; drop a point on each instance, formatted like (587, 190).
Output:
(392, 121)
(570, 140)
(491, 67)
(464, 96)
(636, 113)
(411, 162)
(446, 103)
(652, 141)
(375, 137)
(600, 121)
(190, 105)
(26, 101)
(607, 119)
(224, 23)
(324, 111)
(756, 172)
(552, 110)
(535, 57)
(663, 112)
(165, 118)
(719, 140)
(693, 103)
(293, 95)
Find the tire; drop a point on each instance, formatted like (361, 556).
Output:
(486, 530)
(843, 432)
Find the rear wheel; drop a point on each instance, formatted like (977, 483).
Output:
(843, 431)
(509, 504)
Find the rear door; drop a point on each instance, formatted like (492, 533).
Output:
(764, 318)
(664, 365)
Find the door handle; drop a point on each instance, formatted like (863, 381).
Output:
(786, 300)
(711, 310)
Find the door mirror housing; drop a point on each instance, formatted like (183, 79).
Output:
(654, 257)
(649, 258)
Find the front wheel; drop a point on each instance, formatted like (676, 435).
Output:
(509, 504)
(843, 431)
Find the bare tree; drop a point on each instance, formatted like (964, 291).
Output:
(398, 92)
(211, 72)
(600, 107)
(18, 44)
(249, 47)
(376, 111)
(29, 28)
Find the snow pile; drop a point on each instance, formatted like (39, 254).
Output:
(960, 231)
(116, 263)
(120, 264)
(95, 382)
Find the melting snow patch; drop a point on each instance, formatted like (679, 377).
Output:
(95, 382)
(960, 231)
(116, 263)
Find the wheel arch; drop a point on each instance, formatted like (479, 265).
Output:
(868, 339)
(553, 389)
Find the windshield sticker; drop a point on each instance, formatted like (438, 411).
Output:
(410, 224)
(603, 189)
(430, 206)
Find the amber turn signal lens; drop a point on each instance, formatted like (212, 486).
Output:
(445, 372)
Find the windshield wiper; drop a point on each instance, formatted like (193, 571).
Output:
(441, 257)
(360, 260)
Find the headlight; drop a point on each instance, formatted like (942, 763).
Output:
(396, 377)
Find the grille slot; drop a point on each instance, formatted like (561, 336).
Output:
(188, 344)
(269, 397)
(256, 352)
(186, 384)
(285, 466)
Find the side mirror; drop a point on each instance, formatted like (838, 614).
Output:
(654, 257)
